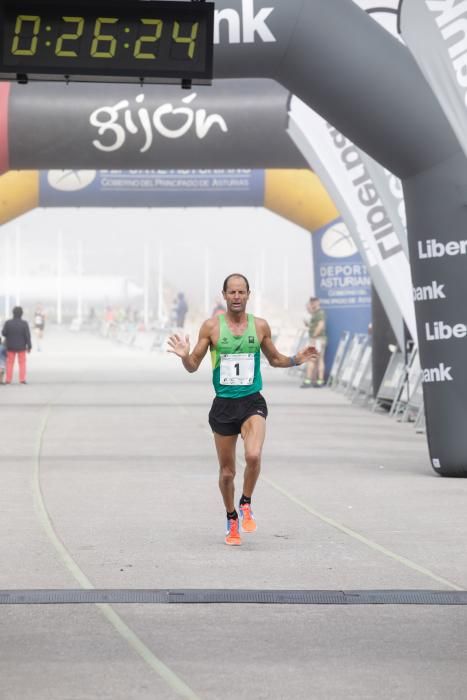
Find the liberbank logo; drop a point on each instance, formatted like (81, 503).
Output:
(435, 249)
(378, 220)
(452, 21)
(245, 27)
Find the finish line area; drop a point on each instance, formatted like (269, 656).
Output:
(115, 578)
(114, 597)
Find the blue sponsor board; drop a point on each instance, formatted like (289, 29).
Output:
(151, 188)
(342, 283)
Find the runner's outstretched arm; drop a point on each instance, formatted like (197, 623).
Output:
(276, 359)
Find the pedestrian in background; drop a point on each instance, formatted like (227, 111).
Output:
(181, 310)
(39, 325)
(315, 368)
(18, 342)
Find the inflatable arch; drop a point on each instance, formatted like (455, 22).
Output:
(342, 281)
(338, 61)
(115, 125)
(296, 195)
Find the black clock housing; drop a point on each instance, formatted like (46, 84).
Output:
(119, 40)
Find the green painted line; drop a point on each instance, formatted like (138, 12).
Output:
(361, 538)
(163, 671)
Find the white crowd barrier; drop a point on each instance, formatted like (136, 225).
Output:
(400, 393)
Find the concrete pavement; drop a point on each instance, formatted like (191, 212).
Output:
(109, 480)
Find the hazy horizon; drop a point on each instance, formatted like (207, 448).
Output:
(253, 241)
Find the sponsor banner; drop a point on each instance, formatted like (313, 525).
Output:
(390, 191)
(339, 164)
(231, 124)
(151, 188)
(342, 284)
(435, 32)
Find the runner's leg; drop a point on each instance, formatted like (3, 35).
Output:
(225, 447)
(253, 434)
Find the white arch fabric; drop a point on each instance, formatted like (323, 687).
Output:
(341, 167)
(436, 33)
(397, 302)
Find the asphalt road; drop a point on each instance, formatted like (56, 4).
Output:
(109, 480)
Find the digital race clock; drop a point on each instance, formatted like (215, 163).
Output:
(106, 40)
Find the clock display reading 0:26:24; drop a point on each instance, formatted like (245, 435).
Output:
(144, 38)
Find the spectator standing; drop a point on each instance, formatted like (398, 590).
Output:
(39, 324)
(219, 308)
(181, 310)
(18, 342)
(315, 368)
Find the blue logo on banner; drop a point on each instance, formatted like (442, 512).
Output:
(151, 188)
(342, 284)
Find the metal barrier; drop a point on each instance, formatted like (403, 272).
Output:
(337, 364)
(407, 385)
(401, 390)
(392, 379)
(351, 361)
(409, 395)
(362, 383)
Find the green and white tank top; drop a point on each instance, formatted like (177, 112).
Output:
(236, 361)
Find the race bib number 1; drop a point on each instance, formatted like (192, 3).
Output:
(237, 370)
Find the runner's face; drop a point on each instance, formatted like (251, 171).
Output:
(236, 295)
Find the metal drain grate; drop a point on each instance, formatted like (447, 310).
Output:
(230, 596)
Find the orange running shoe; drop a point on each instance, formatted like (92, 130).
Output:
(232, 536)
(247, 518)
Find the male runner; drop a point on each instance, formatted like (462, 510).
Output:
(235, 340)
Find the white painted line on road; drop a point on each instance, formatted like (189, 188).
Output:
(163, 671)
(364, 540)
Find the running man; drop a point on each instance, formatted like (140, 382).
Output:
(235, 340)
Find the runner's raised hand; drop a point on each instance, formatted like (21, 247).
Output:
(179, 345)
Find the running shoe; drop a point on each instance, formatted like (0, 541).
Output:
(247, 518)
(232, 535)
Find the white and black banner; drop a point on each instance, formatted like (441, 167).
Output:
(97, 126)
(390, 190)
(340, 166)
(435, 31)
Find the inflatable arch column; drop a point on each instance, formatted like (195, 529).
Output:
(338, 61)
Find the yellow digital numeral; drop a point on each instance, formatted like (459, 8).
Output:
(191, 40)
(98, 37)
(158, 25)
(20, 20)
(59, 51)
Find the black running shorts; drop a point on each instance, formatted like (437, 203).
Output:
(227, 415)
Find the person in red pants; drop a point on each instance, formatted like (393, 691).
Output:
(18, 342)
